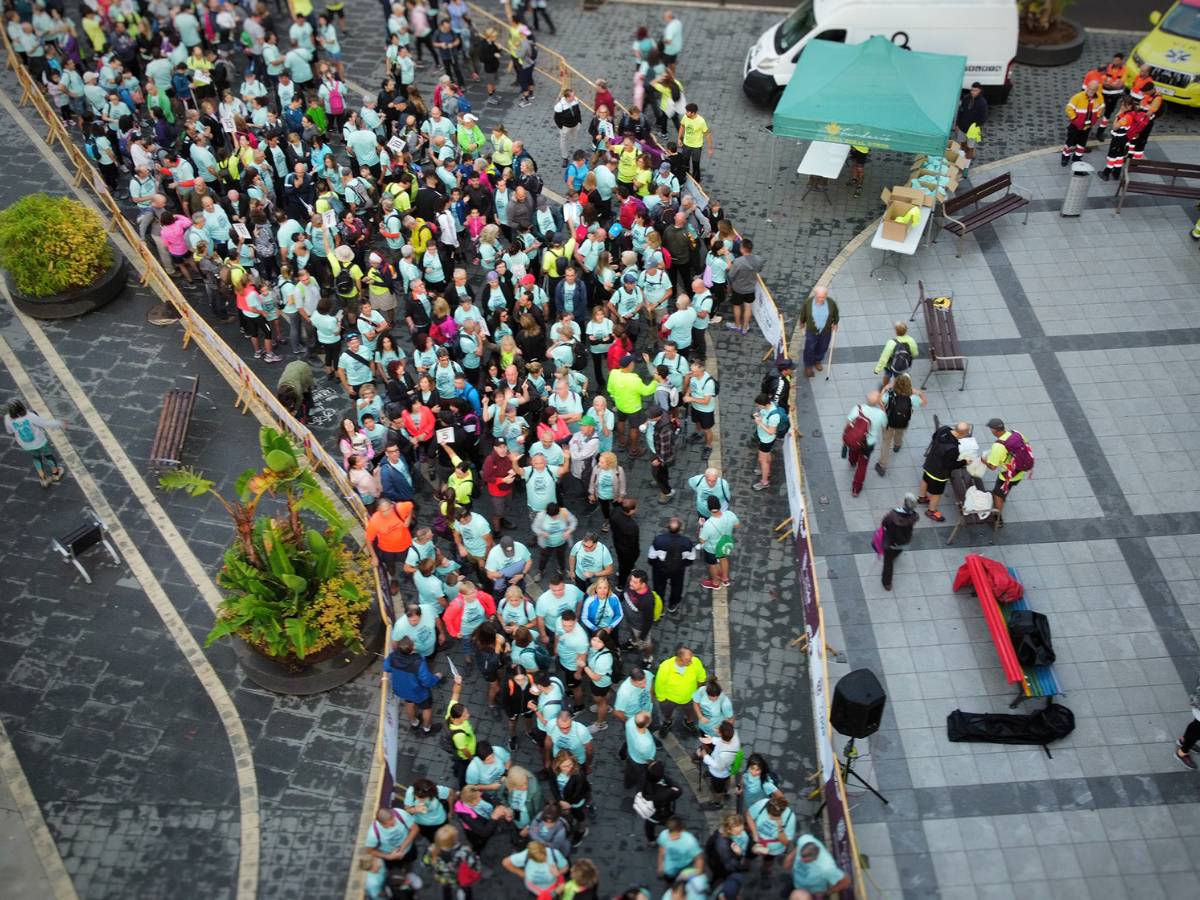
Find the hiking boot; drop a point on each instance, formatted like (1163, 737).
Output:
(665, 727)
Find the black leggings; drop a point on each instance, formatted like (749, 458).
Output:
(427, 43)
(598, 361)
(1191, 735)
(545, 554)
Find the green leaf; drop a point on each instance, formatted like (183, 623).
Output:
(319, 504)
(316, 541)
(301, 636)
(186, 479)
(280, 461)
(221, 628)
(295, 584)
(242, 487)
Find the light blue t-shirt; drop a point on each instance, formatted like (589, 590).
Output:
(704, 490)
(632, 699)
(570, 645)
(597, 559)
(473, 615)
(640, 744)
(473, 532)
(435, 813)
(553, 529)
(680, 324)
(553, 453)
(600, 662)
(715, 528)
(680, 851)
(716, 711)
(497, 560)
(769, 831)
(770, 418)
(386, 839)
(356, 372)
(575, 740)
(480, 772)
(541, 489)
(704, 389)
(539, 875)
(423, 634)
(551, 608)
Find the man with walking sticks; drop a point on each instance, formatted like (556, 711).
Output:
(819, 316)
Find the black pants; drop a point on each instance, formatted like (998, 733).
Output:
(1075, 143)
(1191, 735)
(545, 554)
(453, 69)
(626, 560)
(889, 561)
(538, 15)
(693, 155)
(663, 581)
(662, 476)
(423, 44)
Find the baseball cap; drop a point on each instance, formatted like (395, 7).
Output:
(629, 278)
(665, 167)
(375, 259)
(442, 351)
(587, 420)
(506, 542)
(997, 424)
(627, 359)
(528, 280)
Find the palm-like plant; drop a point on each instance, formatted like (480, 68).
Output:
(289, 590)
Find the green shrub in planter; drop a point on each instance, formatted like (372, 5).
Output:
(49, 245)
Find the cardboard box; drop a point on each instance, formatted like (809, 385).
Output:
(954, 157)
(951, 176)
(893, 230)
(953, 146)
(906, 195)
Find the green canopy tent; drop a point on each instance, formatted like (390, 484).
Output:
(873, 94)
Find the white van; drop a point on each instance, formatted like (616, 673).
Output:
(985, 31)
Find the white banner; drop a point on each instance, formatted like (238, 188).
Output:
(770, 323)
(795, 486)
(816, 669)
(391, 732)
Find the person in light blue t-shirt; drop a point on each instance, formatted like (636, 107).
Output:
(677, 849)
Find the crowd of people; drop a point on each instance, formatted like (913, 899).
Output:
(506, 359)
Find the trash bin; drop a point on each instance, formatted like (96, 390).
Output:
(1077, 189)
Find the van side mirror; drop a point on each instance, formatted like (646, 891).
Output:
(1155, 17)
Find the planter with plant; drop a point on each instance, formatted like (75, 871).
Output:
(299, 602)
(57, 257)
(1046, 37)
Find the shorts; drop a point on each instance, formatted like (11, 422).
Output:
(391, 560)
(633, 418)
(935, 487)
(599, 691)
(427, 703)
(710, 558)
(719, 784)
(736, 298)
(858, 156)
(337, 57)
(1002, 488)
(254, 326)
(765, 448)
(178, 258)
(569, 678)
(705, 420)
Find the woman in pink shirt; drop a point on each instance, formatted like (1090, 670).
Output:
(174, 236)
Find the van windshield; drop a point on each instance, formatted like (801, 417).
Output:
(794, 27)
(1183, 21)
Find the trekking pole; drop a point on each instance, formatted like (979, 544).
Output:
(832, 344)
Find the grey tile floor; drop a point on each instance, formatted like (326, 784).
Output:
(1112, 418)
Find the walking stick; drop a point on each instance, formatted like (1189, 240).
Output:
(832, 344)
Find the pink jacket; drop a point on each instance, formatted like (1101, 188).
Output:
(173, 235)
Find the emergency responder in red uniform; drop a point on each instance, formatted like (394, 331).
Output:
(1112, 86)
(1127, 124)
(1150, 103)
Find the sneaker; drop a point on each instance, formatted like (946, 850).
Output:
(695, 438)
(672, 610)
(725, 582)
(1185, 759)
(604, 528)
(760, 485)
(432, 729)
(935, 515)
(665, 727)
(690, 727)
(715, 320)
(732, 327)
(597, 727)
(880, 470)
(709, 585)
(258, 354)
(524, 103)
(272, 358)
(414, 724)
(577, 840)
(512, 743)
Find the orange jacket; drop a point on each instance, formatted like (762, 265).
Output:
(1139, 86)
(1113, 80)
(1151, 104)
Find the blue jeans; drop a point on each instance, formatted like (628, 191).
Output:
(816, 345)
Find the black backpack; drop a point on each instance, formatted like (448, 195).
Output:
(899, 410)
(1030, 635)
(901, 358)
(343, 283)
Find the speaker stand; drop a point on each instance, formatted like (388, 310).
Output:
(850, 754)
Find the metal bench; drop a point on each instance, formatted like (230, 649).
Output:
(1163, 169)
(945, 353)
(173, 424)
(92, 533)
(960, 223)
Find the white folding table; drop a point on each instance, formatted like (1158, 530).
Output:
(895, 249)
(822, 162)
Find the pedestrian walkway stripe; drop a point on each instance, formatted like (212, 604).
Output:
(243, 760)
(35, 825)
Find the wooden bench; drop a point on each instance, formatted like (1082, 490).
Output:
(1039, 681)
(173, 423)
(960, 481)
(1162, 169)
(945, 353)
(961, 224)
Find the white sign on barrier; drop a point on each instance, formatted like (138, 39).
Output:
(795, 485)
(770, 323)
(816, 668)
(391, 732)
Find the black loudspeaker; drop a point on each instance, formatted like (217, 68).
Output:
(858, 702)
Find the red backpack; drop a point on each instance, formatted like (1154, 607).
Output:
(854, 435)
(337, 105)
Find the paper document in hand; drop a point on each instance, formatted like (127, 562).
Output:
(445, 435)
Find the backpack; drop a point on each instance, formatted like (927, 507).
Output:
(1030, 635)
(666, 258)
(542, 656)
(343, 283)
(899, 410)
(783, 425)
(337, 105)
(901, 358)
(93, 152)
(446, 738)
(1022, 453)
(716, 385)
(723, 547)
(533, 51)
(854, 435)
